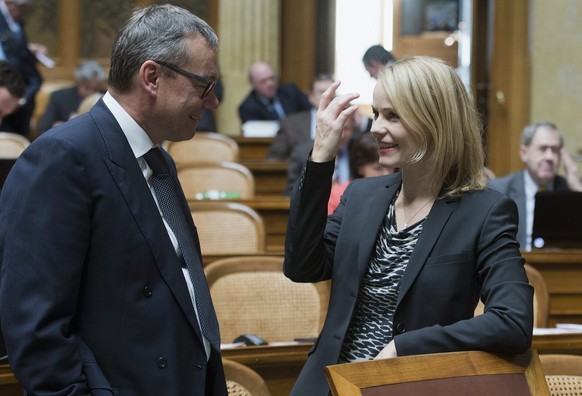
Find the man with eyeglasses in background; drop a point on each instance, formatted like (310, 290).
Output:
(541, 151)
(102, 289)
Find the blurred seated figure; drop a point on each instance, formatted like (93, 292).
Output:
(541, 151)
(63, 103)
(299, 128)
(12, 89)
(364, 162)
(301, 153)
(268, 100)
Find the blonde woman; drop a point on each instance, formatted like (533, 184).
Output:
(411, 253)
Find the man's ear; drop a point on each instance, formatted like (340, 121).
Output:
(149, 77)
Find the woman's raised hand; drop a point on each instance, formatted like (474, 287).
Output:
(331, 115)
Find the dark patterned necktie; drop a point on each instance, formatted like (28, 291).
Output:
(167, 192)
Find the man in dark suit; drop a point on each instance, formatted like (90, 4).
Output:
(94, 296)
(541, 152)
(298, 128)
(14, 49)
(268, 100)
(64, 103)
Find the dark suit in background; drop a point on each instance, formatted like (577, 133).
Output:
(466, 251)
(294, 130)
(292, 99)
(513, 186)
(16, 50)
(62, 103)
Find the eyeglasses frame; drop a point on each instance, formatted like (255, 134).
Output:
(210, 84)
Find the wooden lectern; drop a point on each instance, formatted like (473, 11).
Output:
(472, 373)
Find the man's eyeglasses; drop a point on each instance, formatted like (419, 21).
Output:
(209, 83)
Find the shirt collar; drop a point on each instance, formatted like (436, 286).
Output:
(138, 139)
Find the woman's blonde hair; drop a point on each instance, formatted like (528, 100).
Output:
(436, 109)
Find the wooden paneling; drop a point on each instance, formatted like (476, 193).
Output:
(508, 98)
(562, 271)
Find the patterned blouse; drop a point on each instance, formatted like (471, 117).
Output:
(370, 328)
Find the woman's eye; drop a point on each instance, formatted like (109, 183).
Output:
(393, 116)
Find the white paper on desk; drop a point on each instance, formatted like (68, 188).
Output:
(260, 128)
(570, 326)
(45, 60)
(557, 330)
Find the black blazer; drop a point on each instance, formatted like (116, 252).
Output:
(292, 99)
(466, 251)
(61, 104)
(112, 311)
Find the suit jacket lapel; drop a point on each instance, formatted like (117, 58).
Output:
(432, 228)
(129, 178)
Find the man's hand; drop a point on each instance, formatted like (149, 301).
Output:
(572, 175)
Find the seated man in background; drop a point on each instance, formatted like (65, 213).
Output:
(63, 103)
(299, 128)
(12, 89)
(541, 151)
(268, 100)
(300, 155)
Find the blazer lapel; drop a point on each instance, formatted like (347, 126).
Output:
(128, 176)
(377, 208)
(432, 228)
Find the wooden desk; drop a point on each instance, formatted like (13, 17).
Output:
(270, 176)
(278, 365)
(252, 148)
(562, 271)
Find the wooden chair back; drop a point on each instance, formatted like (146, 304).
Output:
(563, 374)
(541, 297)
(243, 381)
(252, 295)
(12, 144)
(228, 227)
(474, 373)
(227, 177)
(204, 147)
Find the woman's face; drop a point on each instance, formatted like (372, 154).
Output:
(397, 145)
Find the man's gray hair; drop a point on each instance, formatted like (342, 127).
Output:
(89, 70)
(156, 32)
(529, 132)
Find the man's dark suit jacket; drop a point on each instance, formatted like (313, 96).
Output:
(466, 251)
(93, 297)
(513, 186)
(294, 130)
(292, 99)
(19, 56)
(62, 103)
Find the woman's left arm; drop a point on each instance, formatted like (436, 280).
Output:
(507, 323)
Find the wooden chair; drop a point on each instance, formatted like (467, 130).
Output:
(243, 381)
(252, 295)
(472, 373)
(563, 374)
(541, 297)
(228, 228)
(12, 144)
(225, 176)
(204, 147)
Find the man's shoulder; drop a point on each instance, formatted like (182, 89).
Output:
(503, 183)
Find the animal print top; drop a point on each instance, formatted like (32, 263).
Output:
(370, 328)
